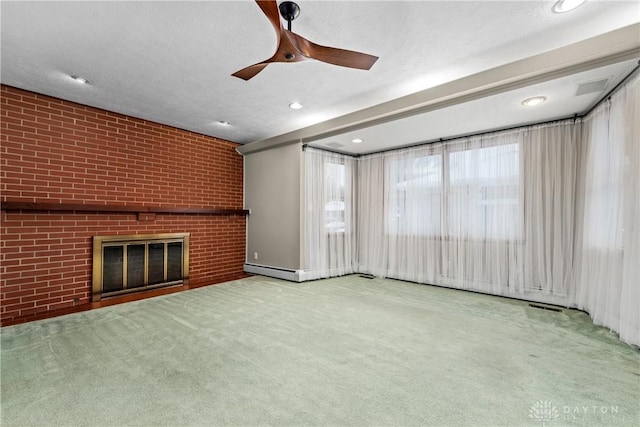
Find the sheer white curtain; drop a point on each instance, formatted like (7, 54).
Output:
(550, 168)
(491, 213)
(414, 189)
(609, 273)
(483, 221)
(371, 215)
(329, 217)
(549, 213)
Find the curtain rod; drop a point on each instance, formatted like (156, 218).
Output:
(470, 135)
(574, 117)
(305, 146)
(452, 138)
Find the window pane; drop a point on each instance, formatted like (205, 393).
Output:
(484, 192)
(604, 190)
(415, 191)
(334, 192)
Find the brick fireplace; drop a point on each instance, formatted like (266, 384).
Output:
(69, 173)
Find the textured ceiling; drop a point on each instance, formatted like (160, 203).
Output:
(171, 62)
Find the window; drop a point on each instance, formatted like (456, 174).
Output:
(415, 192)
(334, 193)
(478, 199)
(484, 192)
(604, 192)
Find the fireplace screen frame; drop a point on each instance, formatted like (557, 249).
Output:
(102, 242)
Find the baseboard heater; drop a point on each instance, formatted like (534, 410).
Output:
(278, 273)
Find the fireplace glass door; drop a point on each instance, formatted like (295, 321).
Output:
(125, 264)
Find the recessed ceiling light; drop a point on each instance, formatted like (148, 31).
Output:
(295, 106)
(530, 102)
(357, 140)
(223, 123)
(563, 6)
(80, 79)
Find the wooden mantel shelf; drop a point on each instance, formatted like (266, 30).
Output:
(70, 207)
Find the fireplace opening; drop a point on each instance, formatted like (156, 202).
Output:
(124, 264)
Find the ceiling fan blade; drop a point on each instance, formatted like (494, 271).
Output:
(250, 71)
(332, 55)
(270, 8)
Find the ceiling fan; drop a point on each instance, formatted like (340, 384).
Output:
(294, 48)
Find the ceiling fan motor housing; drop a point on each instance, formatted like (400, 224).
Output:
(289, 11)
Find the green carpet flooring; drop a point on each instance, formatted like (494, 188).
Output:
(342, 352)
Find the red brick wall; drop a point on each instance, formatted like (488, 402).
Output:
(54, 151)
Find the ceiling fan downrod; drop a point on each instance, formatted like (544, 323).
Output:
(289, 11)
